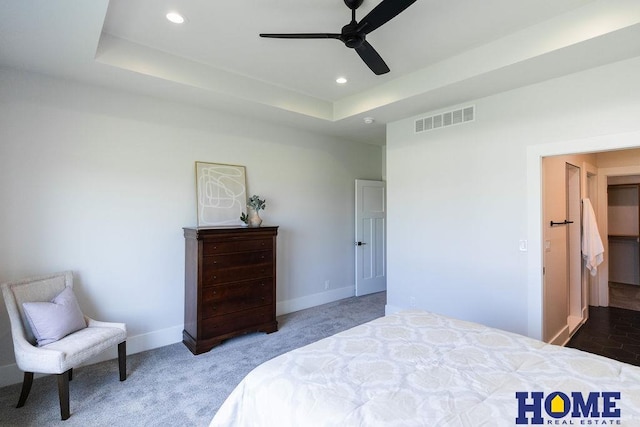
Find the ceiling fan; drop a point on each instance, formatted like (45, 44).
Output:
(353, 35)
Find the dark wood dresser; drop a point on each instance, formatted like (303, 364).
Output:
(230, 284)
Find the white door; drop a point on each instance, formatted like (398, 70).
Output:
(370, 241)
(562, 291)
(556, 289)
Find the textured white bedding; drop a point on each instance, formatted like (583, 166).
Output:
(420, 369)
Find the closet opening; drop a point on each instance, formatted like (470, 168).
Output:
(623, 211)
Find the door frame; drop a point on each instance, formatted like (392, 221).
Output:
(535, 153)
(575, 291)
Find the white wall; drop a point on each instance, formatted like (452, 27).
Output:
(460, 198)
(102, 182)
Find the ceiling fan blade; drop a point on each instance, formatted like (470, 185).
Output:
(382, 13)
(302, 36)
(372, 58)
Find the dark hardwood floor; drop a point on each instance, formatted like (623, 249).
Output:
(611, 332)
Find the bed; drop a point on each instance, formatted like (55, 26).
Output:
(416, 368)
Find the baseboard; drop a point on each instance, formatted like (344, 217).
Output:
(561, 337)
(391, 309)
(10, 374)
(297, 304)
(154, 339)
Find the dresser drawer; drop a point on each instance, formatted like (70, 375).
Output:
(235, 245)
(215, 276)
(233, 297)
(220, 325)
(237, 259)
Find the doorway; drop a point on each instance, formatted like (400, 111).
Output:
(535, 154)
(624, 241)
(370, 237)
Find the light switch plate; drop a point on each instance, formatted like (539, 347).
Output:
(523, 246)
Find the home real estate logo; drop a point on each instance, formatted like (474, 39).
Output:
(577, 408)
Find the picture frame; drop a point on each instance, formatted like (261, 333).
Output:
(221, 192)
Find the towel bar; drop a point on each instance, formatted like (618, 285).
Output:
(565, 222)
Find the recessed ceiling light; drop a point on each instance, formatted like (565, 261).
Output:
(341, 80)
(369, 120)
(174, 17)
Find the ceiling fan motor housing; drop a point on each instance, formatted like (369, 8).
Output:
(353, 4)
(351, 37)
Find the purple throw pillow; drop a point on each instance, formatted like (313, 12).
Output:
(51, 321)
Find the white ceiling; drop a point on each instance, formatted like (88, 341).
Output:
(441, 53)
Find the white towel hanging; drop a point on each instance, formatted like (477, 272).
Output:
(592, 248)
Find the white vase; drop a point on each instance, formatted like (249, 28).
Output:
(254, 219)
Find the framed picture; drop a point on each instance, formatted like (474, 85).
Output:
(222, 194)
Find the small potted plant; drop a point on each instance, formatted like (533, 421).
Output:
(254, 205)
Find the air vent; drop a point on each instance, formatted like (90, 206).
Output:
(446, 119)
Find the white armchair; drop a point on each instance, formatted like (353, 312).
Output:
(59, 357)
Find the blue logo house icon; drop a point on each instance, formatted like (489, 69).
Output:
(535, 409)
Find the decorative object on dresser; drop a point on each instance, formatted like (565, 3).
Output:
(230, 284)
(221, 194)
(254, 205)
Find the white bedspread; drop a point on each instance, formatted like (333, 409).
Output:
(420, 369)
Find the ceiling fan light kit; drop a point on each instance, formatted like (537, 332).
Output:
(354, 34)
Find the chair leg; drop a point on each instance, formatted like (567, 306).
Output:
(122, 360)
(70, 374)
(63, 394)
(26, 388)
